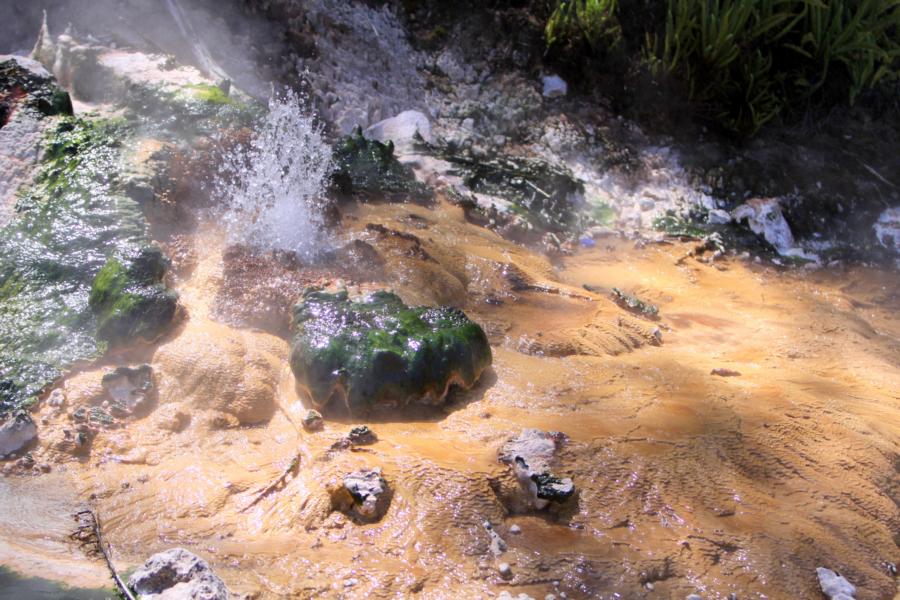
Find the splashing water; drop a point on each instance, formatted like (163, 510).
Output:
(273, 188)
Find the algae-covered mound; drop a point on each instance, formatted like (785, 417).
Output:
(364, 166)
(381, 352)
(76, 268)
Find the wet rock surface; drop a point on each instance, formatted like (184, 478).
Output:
(378, 351)
(369, 168)
(530, 455)
(177, 574)
(16, 432)
(368, 494)
(835, 586)
(130, 389)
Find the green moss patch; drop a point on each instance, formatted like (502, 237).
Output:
(76, 272)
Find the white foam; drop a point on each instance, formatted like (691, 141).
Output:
(273, 188)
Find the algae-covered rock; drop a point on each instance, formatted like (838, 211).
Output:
(77, 271)
(379, 351)
(131, 302)
(364, 166)
(522, 192)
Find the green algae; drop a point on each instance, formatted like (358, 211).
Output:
(209, 93)
(678, 225)
(364, 166)
(70, 222)
(548, 197)
(380, 351)
(131, 302)
(634, 304)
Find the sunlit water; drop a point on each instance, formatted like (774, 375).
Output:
(272, 188)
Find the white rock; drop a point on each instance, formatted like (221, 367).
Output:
(16, 433)
(835, 586)
(515, 530)
(505, 570)
(401, 129)
(717, 216)
(887, 229)
(764, 217)
(177, 574)
(554, 86)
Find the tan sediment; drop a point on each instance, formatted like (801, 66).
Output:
(693, 482)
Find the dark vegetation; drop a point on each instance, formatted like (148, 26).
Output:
(740, 63)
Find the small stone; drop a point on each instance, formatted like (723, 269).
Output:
(362, 436)
(649, 585)
(647, 204)
(834, 585)
(57, 398)
(17, 432)
(694, 597)
(515, 530)
(505, 570)
(45, 467)
(717, 216)
(177, 573)
(312, 421)
(351, 582)
(129, 389)
(554, 86)
(721, 372)
(368, 492)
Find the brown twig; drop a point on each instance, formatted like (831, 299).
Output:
(291, 468)
(105, 550)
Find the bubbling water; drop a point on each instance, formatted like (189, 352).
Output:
(273, 188)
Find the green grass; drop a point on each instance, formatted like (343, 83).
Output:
(744, 62)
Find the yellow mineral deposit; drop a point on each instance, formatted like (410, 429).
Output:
(740, 484)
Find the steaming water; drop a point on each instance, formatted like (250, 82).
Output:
(273, 188)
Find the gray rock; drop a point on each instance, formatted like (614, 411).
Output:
(17, 432)
(554, 86)
(312, 421)
(129, 389)
(530, 455)
(498, 544)
(505, 570)
(887, 229)
(717, 216)
(369, 491)
(177, 574)
(401, 130)
(835, 586)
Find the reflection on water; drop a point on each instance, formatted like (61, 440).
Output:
(15, 587)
